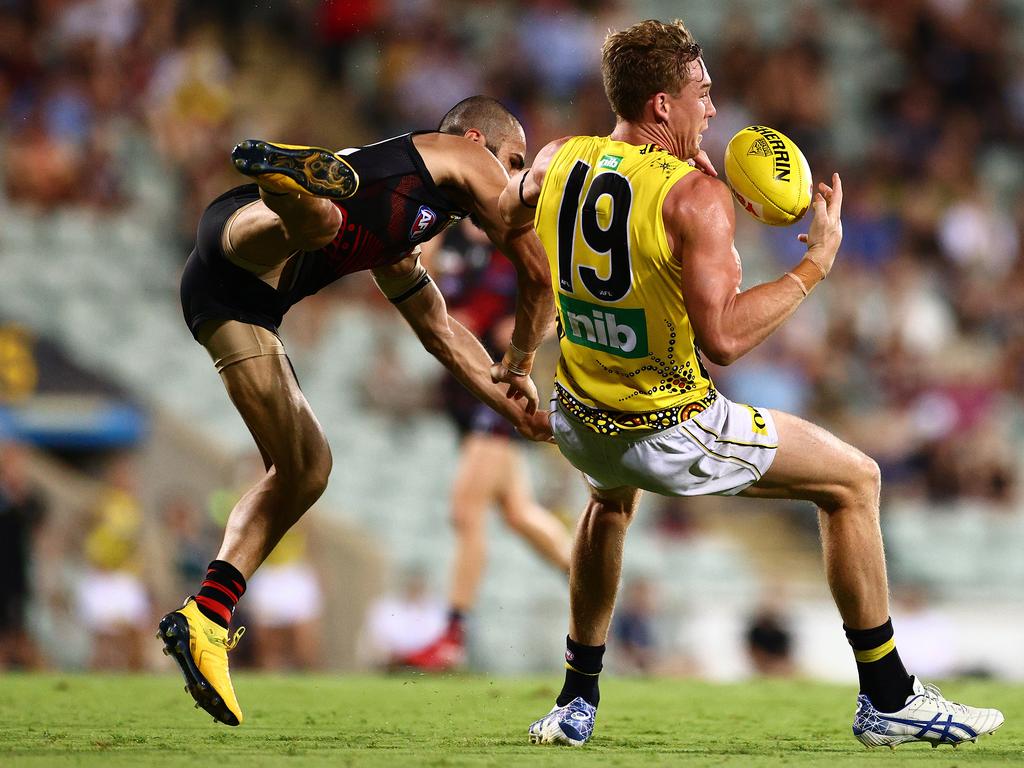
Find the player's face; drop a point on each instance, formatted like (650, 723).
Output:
(692, 109)
(512, 152)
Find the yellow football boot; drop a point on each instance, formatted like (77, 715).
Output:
(285, 168)
(200, 647)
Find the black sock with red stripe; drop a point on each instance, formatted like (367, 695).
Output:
(220, 593)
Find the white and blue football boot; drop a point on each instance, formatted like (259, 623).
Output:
(927, 716)
(572, 724)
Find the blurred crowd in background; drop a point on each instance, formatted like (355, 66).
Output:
(913, 350)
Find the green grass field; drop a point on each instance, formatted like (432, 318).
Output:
(57, 720)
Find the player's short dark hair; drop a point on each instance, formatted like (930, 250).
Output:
(647, 58)
(487, 115)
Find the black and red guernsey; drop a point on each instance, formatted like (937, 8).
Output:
(396, 207)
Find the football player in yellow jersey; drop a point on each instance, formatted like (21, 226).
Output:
(647, 281)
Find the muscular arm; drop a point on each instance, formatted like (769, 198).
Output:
(518, 210)
(728, 323)
(459, 351)
(478, 179)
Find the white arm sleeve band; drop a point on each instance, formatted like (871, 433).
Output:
(398, 289)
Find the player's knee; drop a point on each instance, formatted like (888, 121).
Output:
(611, 514)
(319, 231)
(514, 515)
(870, 478)
(466, 518)
(307, 474)
(860, 487)
(317, 473)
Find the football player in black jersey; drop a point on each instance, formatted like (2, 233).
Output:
(311, 217)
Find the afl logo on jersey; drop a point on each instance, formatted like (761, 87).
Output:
(425, 219)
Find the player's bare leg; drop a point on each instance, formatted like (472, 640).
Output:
(544, 532)
(490, 471)
(594, 572)
(263, 235)
(893, 707)
(267, 396)
(596, 564)
(814, 465)
(477, 481)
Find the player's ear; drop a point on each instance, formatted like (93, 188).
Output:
(659, 103)
(475, 136)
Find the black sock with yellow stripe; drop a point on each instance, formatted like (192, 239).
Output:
(582, 667)
(882, 676)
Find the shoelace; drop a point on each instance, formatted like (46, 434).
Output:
(229, 643)
(932, 693)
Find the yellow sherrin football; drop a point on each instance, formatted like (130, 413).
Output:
(768, 175)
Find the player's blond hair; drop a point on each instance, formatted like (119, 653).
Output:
(647, 58)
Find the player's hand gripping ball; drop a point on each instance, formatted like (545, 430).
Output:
(768, 175)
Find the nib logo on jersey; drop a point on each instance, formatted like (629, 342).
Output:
(615, 330)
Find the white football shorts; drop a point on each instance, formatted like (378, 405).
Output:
(719, 451)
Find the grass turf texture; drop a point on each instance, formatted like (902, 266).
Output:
(413, 720)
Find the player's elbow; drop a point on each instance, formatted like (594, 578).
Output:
(507, 207)
(721, 350)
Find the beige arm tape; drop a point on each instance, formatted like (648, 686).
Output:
(399, 288)
(517, 361)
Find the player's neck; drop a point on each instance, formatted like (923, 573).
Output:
(648, 133)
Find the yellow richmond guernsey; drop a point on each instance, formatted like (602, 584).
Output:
(626, 340)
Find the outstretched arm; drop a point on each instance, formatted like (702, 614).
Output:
(727, 322)
(412, 291)
(481, 178)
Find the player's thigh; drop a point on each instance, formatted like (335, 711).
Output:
(624, 499)
(256, 234)
(482, 464)
(261, 384)
(515, 494)
(812, 464)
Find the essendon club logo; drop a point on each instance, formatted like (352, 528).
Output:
(425, 219)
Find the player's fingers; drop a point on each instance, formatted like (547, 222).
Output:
(837, 193)
(531, 405)
(802, 238)
(496, 373)
(820, 208)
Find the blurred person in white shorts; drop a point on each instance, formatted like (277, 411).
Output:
(286, 605)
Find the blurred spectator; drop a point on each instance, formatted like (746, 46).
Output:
(769, 640)
(403, 621)
(112, 601)
(636, 648)
(22, 513)
(189, 539)
(386, 384)
(286, 603)
(673, 517)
